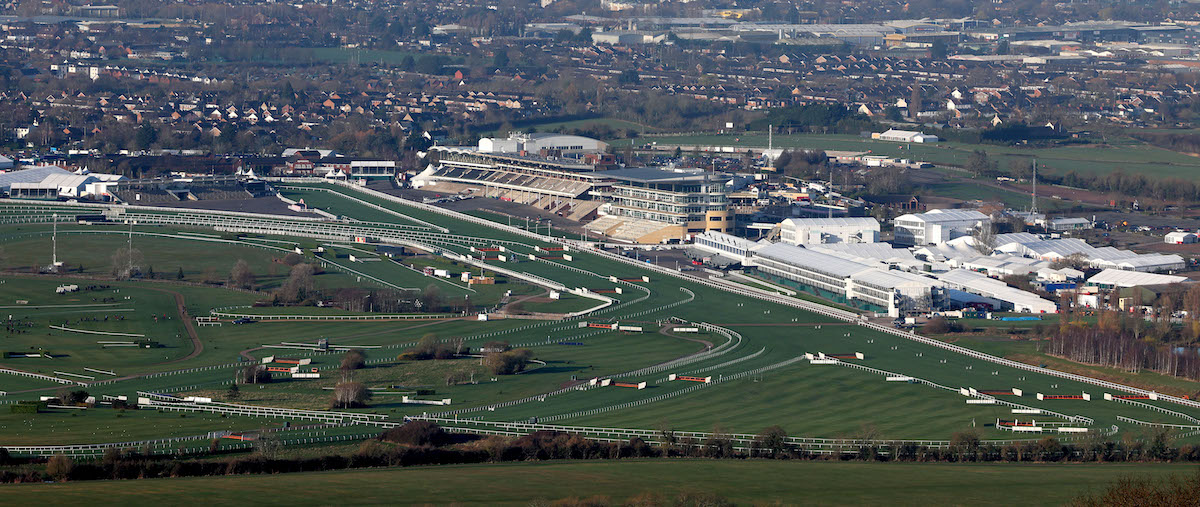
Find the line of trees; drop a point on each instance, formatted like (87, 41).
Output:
(423, 443)
(1163, 341)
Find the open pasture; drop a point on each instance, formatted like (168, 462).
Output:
(741, 481)
(70, 426)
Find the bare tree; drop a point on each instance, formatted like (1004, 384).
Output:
(350, 395)
(431, 298)
(299, 283)
(126, 263)
(354, 359)
(241, 276)
(985, 238)
(253, 374)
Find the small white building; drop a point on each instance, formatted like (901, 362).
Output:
(937, 226)
(905, 136)
(366, 168)
(1068, 224)
(518, 143)
(1180, 238)
(818, 231)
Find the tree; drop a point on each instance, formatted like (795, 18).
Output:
(354, 359)
(965, 444)
(630, 76)
(253, 374)
(292, 259)
(266, 446)
(59, 467)
(417, 433)
(772, 440)
(350, 395)
(146, 136)
(431, 298)
(507, 363)
(938, 50)
(126, 263)
(241, 276)
(1074, 261)
(978, 163)
(234, 391)
(299, 284)
(179, 274)
(985, 238)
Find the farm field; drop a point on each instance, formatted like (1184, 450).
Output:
(744, 482)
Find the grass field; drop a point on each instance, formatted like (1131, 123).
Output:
(744, 482)
(130, 308)
(605, 354)
(1124, 154)
(970, 192)
(808, 400)
(63, 426)
(163, 250)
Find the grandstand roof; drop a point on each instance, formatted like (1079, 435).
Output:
(868, 222)
(892, 279)
(862, 252)
(811, 259)
(656, 175)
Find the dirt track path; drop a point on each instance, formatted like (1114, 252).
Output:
(181, 308)
(197, 345)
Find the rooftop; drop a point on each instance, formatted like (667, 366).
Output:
(657, 175)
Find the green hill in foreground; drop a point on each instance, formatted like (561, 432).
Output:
(743, 482)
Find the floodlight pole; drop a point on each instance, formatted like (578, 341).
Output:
(54, 245)
(129, 252)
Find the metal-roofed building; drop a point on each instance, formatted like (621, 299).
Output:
(1013, 298)
(1113, 278)
(32, 175)
(937, 226)
(810, 231)
(844, 280)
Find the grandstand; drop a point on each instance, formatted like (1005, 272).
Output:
(559, 186)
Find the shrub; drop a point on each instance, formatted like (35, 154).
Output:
(937, 325)
(418, 433)
(508, 363)
(59, 467)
